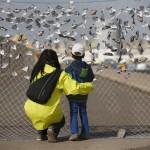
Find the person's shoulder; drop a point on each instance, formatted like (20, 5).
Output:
(63, 74)
(73, 62)
(68, 67)
(85, 63)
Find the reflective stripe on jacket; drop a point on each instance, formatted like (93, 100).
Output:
(42, 116)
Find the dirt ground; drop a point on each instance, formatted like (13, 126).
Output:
(91, 144)
(141, 148)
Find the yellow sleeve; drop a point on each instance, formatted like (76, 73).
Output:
(71, 86)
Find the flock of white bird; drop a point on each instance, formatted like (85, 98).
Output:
(116, 35)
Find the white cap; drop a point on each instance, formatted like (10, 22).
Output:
(79, 49)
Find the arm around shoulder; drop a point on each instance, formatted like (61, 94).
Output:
(72, 87)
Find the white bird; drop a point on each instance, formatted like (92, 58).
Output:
(84, 13)
(59, 15)
(82, 26)
(4, 65)
(3, 11)
(56, 40)
(85, 38)
(36, 44)
(14, 74)
(114, 27)
(42, 21)
(18, 56)
(128, 8)
(71, 2)
(8, 1)
(40, 33)
(7, 35)
(85, 21)
(32, 29)
(129, 27)
(146, 14)
(17, 10)
(73, 34)
(35, 7)
(26, 68)
(2, 52)
(146, 37)
(24, 13)
(10, 55)
(98, 32)
(112, 10)
(93, 12)
(27, 77)
(57, 24)
(29, 53)
(49, 36)
(140, 14)
(13, 47)
(68, 11)
(58, 31)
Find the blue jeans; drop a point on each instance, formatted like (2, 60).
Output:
(74, 107)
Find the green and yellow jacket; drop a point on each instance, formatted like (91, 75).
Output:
(43, 115)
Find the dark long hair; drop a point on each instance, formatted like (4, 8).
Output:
(48, 56)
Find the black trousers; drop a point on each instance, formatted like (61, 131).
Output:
(55, 127)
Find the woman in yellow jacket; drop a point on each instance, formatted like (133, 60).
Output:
(48, 118)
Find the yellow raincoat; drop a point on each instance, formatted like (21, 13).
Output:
(43, 115)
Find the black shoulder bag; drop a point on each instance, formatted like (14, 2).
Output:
(41, 90)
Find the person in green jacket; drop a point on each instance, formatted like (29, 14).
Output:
(48, 118)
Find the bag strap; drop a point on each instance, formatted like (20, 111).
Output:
(58, 74)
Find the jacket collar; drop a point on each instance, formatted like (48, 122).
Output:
(48, 68)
